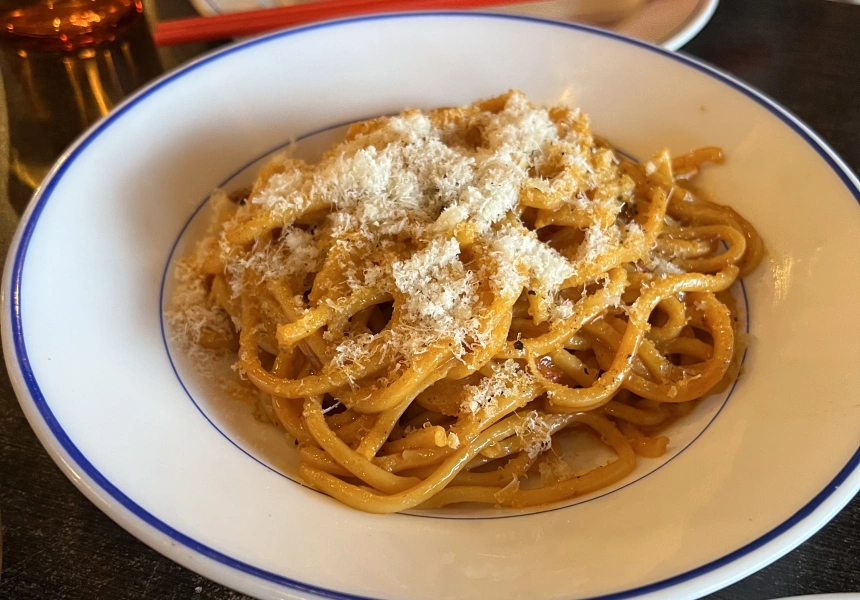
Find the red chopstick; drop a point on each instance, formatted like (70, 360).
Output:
(219, 27)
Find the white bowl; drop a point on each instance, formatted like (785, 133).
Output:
(198, 480)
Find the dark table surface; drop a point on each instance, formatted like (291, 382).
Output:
(57, 545)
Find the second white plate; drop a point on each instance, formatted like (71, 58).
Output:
(668, 23)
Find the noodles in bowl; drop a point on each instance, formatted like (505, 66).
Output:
(429, 309)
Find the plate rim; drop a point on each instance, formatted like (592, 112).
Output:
(210, 562)
(700, 16)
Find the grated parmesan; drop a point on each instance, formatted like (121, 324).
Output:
(294, 252)
(440, 294)
(532, 259)
(553, 470)
(563, 309)
(508, 378)
(395, 197)
(661, 266)
(283, 190)
(535, 434)
(192, 310)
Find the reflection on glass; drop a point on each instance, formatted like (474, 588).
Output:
(65, 64)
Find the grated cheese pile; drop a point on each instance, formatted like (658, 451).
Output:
(508, 378)
(391, 207)
(535, 433)
(197, 314)
(293, 253)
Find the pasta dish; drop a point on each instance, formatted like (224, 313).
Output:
(431, 310)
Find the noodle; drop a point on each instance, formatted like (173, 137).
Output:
(429, 310)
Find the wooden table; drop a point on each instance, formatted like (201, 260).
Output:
(57, 545)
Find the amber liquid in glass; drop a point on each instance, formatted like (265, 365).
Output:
(65, 64)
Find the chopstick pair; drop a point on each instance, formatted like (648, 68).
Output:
(219, 27)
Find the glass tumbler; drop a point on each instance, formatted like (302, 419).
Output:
(65, 64)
